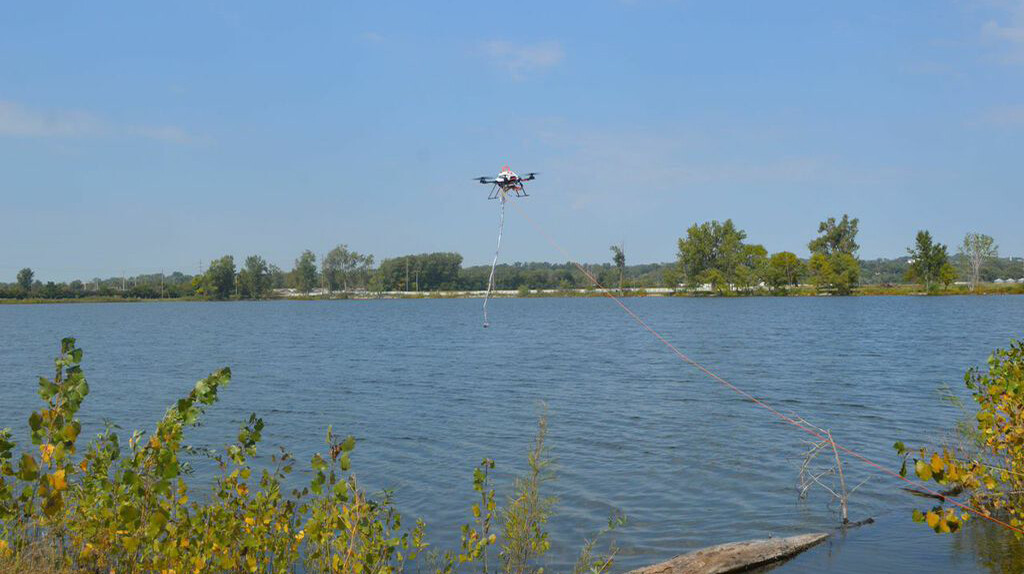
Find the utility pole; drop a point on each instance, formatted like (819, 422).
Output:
(123, 284)
(417, 280)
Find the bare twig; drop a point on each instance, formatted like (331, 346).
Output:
(810, 474)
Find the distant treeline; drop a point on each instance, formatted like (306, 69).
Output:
(711, 256)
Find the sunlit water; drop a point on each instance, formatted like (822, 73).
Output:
(429, 393)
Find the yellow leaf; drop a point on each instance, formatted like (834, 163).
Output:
(84, 465)
(335, 562)
(58, 480)
(932, 519)
(46, 452)
(937, 463)
(924, 472)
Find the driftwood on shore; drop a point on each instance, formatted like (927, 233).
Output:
(735, 556)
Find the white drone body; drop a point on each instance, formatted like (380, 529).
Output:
(507, 182)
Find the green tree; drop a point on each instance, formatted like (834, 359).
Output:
(836, 237)
(976, 249)
(342, 266)
(838, 273)
(25, 277)
(928, 259)
(947, 275)
(784, 269)
(822, 274)
(835, 245)
(619, 259)
(427, 271)
(845, 273)
(278, 278)
(714, 252)
(219, 279)
(753, 266)
(304, 273)
(254, 278)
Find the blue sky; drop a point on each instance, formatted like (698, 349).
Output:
(144, 137)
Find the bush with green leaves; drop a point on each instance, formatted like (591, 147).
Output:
(128, 508)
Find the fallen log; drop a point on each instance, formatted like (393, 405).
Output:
(735, 556)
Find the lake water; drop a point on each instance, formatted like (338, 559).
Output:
(428, 393)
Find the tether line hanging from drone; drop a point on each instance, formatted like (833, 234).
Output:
(494, 264)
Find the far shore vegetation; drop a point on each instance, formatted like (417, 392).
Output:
(713, 259)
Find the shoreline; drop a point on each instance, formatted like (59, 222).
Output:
(285, 295)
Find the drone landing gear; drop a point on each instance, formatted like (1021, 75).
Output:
(497, 191)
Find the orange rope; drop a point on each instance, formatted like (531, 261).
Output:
(606, 292)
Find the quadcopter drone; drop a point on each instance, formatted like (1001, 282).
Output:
(507, 182)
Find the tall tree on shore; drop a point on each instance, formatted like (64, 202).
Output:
(25, 277)
(254, 278)
(304, 273)
(278, 278)
(752, 267)
(836, 237)
(977, 248)
(929, 260)
(784, 269)
(619, 259)
(341, 266)
(219, 279)
(713, 252)
(833, 262)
